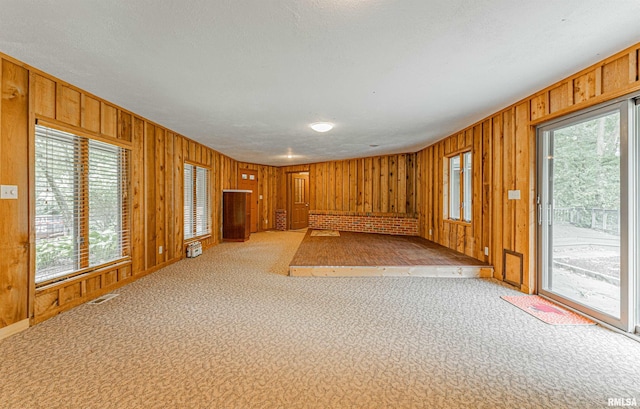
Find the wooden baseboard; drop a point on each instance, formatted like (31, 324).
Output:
(14, 328)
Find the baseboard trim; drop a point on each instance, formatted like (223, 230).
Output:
(14, 328)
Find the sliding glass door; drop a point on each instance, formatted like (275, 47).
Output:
(584, 212)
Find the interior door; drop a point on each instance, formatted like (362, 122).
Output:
(299, 200)
(248, 180)
(583, 213)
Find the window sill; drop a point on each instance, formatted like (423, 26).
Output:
(458, 222)
(83, 274)
(192, 239)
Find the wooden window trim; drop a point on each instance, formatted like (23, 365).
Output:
(447, 181)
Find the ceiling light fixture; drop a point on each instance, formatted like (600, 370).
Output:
(321, 126)
(289, 156)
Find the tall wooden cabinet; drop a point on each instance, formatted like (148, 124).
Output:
(236, 215)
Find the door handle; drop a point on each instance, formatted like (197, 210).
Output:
(540, 215)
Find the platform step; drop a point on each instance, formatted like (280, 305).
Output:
(392, 271)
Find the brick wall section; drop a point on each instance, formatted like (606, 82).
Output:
(281, 219)
(396, 225)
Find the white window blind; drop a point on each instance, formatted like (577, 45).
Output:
(82, 212)
(196, 201)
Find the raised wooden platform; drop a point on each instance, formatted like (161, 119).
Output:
(362, 254)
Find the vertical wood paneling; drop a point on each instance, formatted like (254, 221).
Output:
(584, 87)
(150, 195)
(138, 200)
(411, 184)
(353, 185)
(14, 216)
(498, 198)
(90, 110)
(360, 185)
(339, 178)
(108, 120)
(169, 188)
(508, 166)
(523, 136)
(615, 74)
(375, 188)
(368, 185)
(124, 126)
(401, 204)
(558, 98)
(474, 244)
(428, 195)
(343, 166)
(393, 184)
(45, 96)
(381, 184)
(67, 105)
(487, 175)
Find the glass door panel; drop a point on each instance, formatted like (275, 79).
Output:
(582, 214)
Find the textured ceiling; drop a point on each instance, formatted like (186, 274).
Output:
(247, 77)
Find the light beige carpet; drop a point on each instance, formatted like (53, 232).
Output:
(224, 331)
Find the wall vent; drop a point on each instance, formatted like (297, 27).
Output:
(103, 298)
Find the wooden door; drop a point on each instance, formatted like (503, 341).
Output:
(248, 180)
(299, 201)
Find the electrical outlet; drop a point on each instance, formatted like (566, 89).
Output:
(9, 192)
(260, 197)
(513, 195)
(266, 221)
(430, 232)
(486, 251)
(159, 249)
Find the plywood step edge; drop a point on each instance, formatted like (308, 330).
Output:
(13, 329)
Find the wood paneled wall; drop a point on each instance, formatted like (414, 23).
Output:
(376, 185)
(156, 182)
(504, 159)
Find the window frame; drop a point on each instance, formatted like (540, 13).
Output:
(196, 234)
(81, 226)
(464, 187)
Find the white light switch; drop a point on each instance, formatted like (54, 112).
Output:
(514, 195)
(8, 192)
(160, 249)
(486, 251)
(260, 197)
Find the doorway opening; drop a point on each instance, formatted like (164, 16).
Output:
(587, 223)
(298, 200)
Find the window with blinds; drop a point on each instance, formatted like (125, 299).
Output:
(460, 184)
(196, 201)
(81, 209)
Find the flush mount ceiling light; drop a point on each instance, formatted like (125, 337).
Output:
(321, 126)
